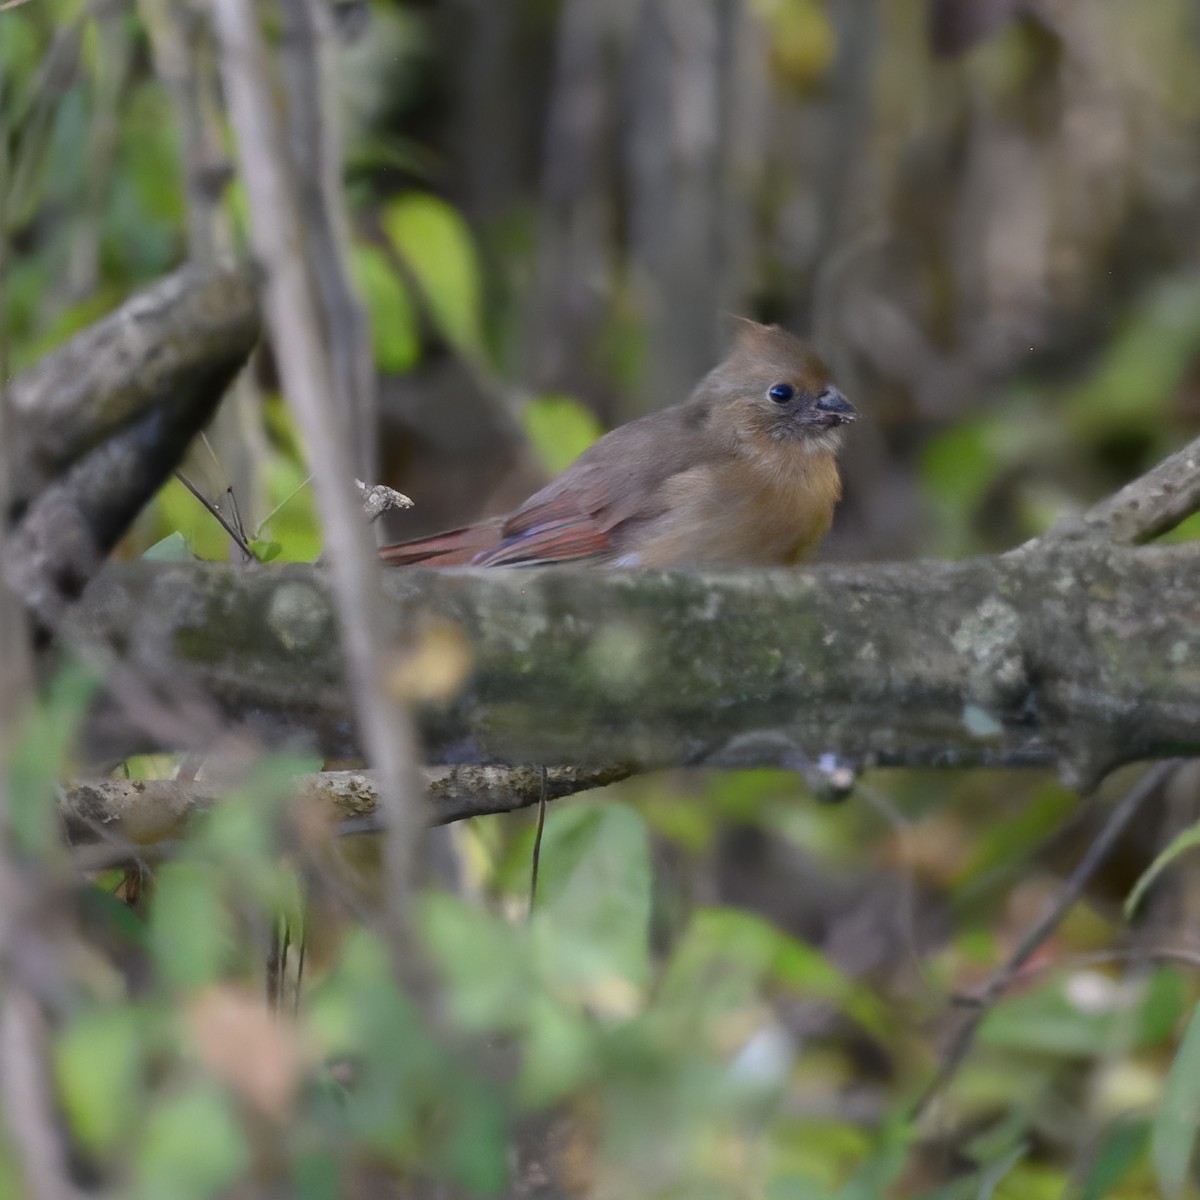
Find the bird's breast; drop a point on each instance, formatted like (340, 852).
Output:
(741, 514)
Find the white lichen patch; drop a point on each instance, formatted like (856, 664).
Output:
(990, 632)
(617, 658)
(299, 616)
(980, 723)
(710, 610)
(514, 624)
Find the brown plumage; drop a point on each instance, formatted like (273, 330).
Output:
(742, 473)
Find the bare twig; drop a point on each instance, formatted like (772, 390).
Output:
(239, 538)
(1000, 981)
(537, 842)
(28, 1100)
(16, 661)
(1177, 955)
(182, 52)
(314, 141)
(310, 382)
(111, 76)
(137, 812)
(1144, 509)
(182, 45)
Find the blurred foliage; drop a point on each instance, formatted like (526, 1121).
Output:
(724, 990)
(560, 429)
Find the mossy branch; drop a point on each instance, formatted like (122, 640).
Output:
(1074, 656)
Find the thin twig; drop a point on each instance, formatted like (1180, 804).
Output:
(28, 1100)
(307, 56)
(301, 337)
(537, 842)
(1151, 505)
(902, 828)
(1097, 958)
(1001, 980)
(239, 539)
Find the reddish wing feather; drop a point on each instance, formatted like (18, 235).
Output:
(562, 541)
(456, 548)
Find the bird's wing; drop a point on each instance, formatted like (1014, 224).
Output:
(583, 515)
(590, 511)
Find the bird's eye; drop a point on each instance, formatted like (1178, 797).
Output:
(781, 393)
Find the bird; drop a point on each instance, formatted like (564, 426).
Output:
(742, 473)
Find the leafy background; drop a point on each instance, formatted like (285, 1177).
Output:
(984, 215)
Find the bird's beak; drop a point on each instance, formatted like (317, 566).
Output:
(834, 405)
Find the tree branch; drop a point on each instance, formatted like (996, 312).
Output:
(157, 352)
(99, 424)
(1144, 509)
(138, 812)
(1075, 657)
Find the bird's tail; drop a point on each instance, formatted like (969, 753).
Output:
(454, 548)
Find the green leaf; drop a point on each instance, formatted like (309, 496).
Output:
(39, 756)
(293, 523)
(592, 922)
(317, 1175)
(96, 1058)
(560, 428)
(358, 1008)
(474, 1148)
(435, 243)
(1049, 1021)
(484, 959)
(1186, 840)
(173, 548)
(560, 1052)
(884, 1167)
(1173, 1134)
(796, 1187)
(67, 322)
(1124, 1143)
(726, 955)
(181, 515)
(994, 1172)
(802, 41)
(394, 336)
(265, 552)
(191, 932)
(193, 1146)
(1143, 364)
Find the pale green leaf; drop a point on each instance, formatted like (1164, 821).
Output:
(1188, 839)
(191, 932)
(96, 1058)
(394, 339)
(39, 756)
(433, 240)
(593, 908)
(1173, 1134)
(560, 428)
(193, 1146)
(172, 548)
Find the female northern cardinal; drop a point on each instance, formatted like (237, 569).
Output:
(742, 473)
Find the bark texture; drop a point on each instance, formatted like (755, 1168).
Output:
(1072, 655)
